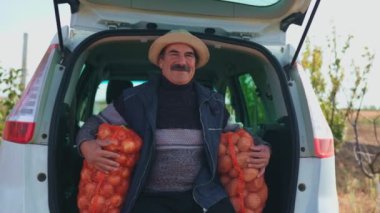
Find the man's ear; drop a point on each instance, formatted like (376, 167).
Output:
(160, 62)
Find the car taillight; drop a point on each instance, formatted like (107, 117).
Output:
(20, 123)
(322, 135)
(19, 132)
(324, 148)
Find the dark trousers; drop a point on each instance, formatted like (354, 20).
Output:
(176, 202)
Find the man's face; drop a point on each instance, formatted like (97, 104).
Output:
(177, 63)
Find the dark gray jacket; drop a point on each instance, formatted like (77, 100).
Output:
(138, 107)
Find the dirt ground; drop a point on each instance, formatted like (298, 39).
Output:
(356, 191)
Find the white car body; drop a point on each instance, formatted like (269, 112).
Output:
(27, 183)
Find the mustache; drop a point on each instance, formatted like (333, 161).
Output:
(179, 67)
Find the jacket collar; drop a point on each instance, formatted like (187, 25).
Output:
(204, 94)
(152, 85)
(149, 95)
(149, 99)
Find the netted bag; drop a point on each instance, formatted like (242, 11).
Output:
(100, 192)
(247, 192)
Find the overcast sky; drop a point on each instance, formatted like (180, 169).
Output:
(36, 17)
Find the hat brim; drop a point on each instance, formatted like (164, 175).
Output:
(179, 37)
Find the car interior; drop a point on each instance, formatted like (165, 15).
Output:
(247, 77)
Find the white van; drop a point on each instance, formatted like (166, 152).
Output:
(250, 64)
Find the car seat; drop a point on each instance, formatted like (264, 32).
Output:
(115, 89)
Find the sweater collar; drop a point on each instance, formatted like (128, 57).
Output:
(167, 85)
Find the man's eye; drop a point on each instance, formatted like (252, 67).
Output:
(173, 53)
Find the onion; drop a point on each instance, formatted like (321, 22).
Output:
(115, 210)
(224, 164)
(252, 201)
(125, 173)
(114, 180)
(121, 135)
(99, 176)
(116, 201)
(250, 211)
(244, 144)
(250, 174)
(89, 189)
(104, 131)
(235, 203)
(233, 173)
(234, 138)
(222, 149)
(234, 187)
(263, 193)
(106, 190)
(131, 160)
(85, 175)
(122, 160)
(256, 184)
(83, 202)
(225, 179)
(123, 188)
(235, 148)
(114, 145)
(243, 133)
(242, 159)
(128, 146)
(223, 139)
(98, 202)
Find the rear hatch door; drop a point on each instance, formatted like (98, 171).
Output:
(261, 21)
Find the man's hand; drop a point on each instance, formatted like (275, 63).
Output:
(259, 158)
(99, 158)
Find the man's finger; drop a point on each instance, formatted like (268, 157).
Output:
(103, 142)
(108, 162)
(101, 168)
(261, 171)
(256, 160)
(260, 148)
(109, 154)
(261, 154)
(256, 166)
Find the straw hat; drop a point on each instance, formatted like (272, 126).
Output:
(179, 36)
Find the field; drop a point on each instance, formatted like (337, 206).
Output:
(357, 193)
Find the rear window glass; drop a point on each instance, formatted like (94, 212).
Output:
(259, 3)
(254, 104)
(244, 103)
(101, 95)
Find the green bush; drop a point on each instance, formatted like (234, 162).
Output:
(12, 87)
(327, 83)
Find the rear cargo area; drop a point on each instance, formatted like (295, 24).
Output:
(250, 78)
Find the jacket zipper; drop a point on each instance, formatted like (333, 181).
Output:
(144, 172)
(208, 151)
(143, 175)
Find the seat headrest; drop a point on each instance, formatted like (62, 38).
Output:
(115, 89)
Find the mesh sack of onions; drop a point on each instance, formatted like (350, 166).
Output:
(100, 192)
(248, 192)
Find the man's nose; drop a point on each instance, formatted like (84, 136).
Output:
(181, 59)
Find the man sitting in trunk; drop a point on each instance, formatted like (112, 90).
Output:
(180, 123)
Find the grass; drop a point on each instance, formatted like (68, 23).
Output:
(357, 193)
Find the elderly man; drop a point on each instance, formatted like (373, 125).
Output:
(180, 123)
